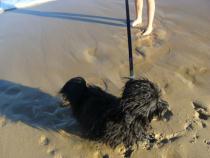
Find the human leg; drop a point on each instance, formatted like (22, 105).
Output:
(139, 8)
(151, 14)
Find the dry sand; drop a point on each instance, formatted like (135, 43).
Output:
(42, 47)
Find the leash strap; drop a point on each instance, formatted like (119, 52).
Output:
(129, 40)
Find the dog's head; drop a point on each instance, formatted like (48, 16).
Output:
(141, 97)
(74, 89)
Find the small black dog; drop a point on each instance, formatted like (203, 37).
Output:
(113, 120)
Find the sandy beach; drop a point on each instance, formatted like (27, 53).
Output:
(42, 47)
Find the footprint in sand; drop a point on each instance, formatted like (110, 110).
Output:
(190, 75)
(162, 140)
(193, 124)
(207, 142)
(54, 152)
(166, 89)
(198, 121)
(148, 46)
(194, 139)
(91, 55)
(43, 140)
(160, 37)
(141, 52)
(155, 40)
(143, 49)
(51, 150)
(201, 111)
(188, 126)
(142, 45)
(159, 140)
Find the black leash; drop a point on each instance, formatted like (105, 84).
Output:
(128, 152)
(129, 39)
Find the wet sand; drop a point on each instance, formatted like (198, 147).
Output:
(42, 47)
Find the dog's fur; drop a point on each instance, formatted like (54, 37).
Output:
(113, 120)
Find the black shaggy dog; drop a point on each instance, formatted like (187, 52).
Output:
(113, 120)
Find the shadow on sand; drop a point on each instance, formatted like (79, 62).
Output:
(117, 22)
(76, 17)
(35, 108)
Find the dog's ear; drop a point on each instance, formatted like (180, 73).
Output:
(74, 89)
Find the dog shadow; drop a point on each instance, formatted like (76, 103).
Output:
(35, 108)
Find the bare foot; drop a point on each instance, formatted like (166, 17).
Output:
(137, 23)
(148, 31)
